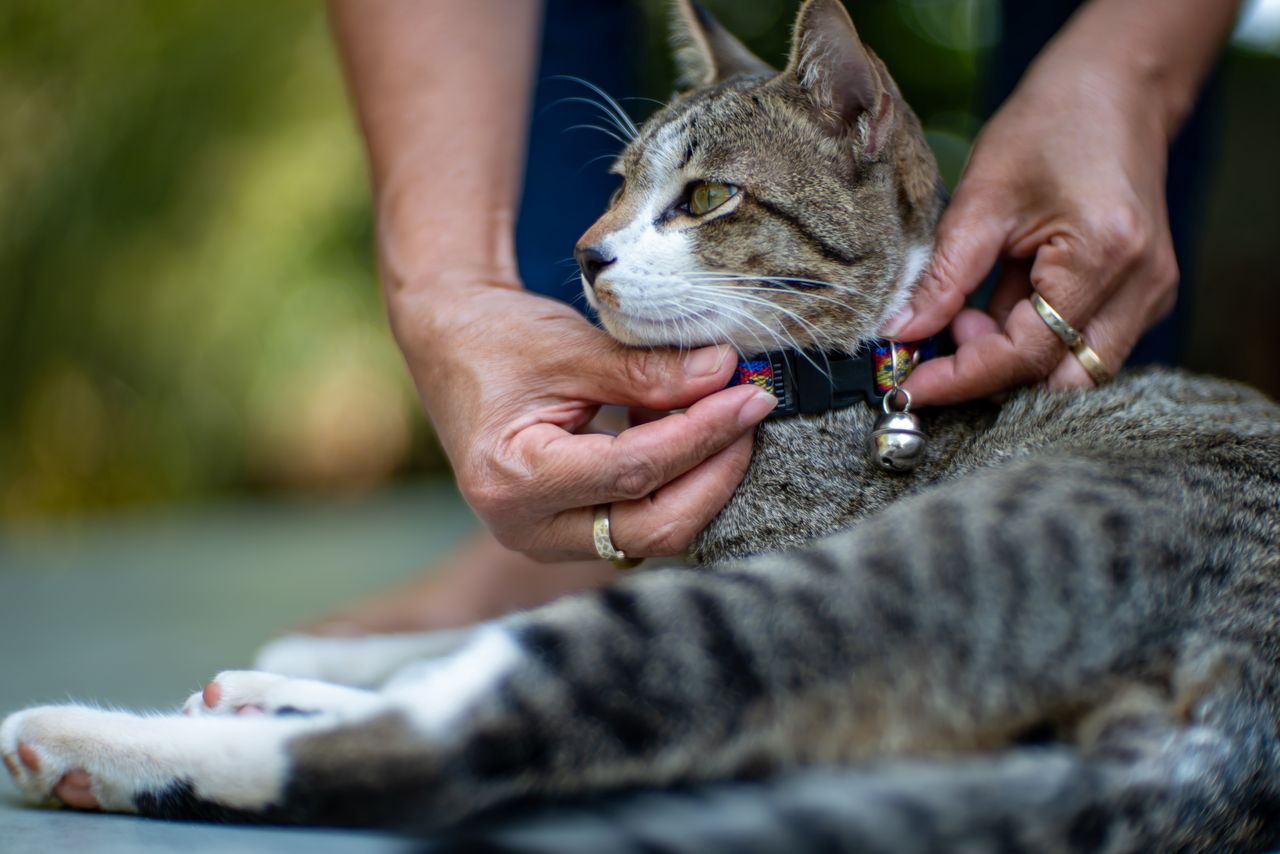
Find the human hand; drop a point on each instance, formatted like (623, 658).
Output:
(509, 378)
(1066, 184)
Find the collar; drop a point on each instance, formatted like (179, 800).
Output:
(811, 382)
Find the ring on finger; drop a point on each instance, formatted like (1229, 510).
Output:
(603, 539)
(1069, 335)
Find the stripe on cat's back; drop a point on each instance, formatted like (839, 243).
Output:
(622, 605)
(611, 704)
(736, 665)
(1062, 540)
(831, 634)
(817, 562)
(746, 581)
(948, 546)
(546, 645)
(607, 697)
(516, 743)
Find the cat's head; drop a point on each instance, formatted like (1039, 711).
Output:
(766, 208)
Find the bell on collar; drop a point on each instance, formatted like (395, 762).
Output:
(897, 443)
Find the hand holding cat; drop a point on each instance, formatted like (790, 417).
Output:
(1066, 186)
(509, 380)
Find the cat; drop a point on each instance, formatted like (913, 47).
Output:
(1059, 633)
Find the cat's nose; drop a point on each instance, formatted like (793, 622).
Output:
(591, 260)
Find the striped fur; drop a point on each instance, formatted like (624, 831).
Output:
(1060, 634)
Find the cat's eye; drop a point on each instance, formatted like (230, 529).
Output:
(709, 195)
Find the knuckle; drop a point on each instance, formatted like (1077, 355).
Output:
(1122, 233)
(642, 369)
(636, 477)
(940, 279)
(492, 489)
(486, 498)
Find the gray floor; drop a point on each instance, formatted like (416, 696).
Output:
(137, 610)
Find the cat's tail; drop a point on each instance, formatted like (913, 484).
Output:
(1202, 794)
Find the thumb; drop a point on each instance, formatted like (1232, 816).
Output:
(654, 379)
(970, 237)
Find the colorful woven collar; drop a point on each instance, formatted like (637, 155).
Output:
(812, 382)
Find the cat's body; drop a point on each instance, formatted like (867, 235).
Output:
(1097, 571)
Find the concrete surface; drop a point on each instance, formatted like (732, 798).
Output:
(139, 609)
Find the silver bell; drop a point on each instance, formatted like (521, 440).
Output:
(897, 443)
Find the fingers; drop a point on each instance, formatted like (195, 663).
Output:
(595, 469)
(969, 239)
(665, 522)
(648, 379)
(990, 358)
(1114, 330)
(1024, 351)
(548, 471)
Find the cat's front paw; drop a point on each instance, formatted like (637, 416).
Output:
(252, 692)
(166, 765)
(50, 755)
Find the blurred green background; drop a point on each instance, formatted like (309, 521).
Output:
(188, 305)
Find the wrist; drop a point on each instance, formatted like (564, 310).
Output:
(1119, 88)
(424, 238)
(433, 303)
(1155, 54)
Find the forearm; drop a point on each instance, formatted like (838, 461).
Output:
(442, 93)
(1160, 50)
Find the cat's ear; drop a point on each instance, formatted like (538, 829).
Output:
(841, 76)
(706, 52)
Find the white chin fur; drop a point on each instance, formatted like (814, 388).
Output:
(913, 268)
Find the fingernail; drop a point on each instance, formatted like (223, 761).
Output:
(707, 361)
(897, 323)
(756, 408)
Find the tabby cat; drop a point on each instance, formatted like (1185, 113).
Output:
(1059, 633)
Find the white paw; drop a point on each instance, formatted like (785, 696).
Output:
(119, 762)
(75, 754)
(34, 768)
(248, 692)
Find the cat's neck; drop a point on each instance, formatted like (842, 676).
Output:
(814, 466)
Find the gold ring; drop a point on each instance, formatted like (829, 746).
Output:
(1069, 335)
(1056, 322)
(1088, 359)
(603, 540)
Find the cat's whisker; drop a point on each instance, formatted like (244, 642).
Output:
(714, 333)
(775, 284)
(816, 335)
(789, 292)
(719, 305)
(729, 276)
(608, 99)
(748, 316)
(608, 114)
(642, 98)
(606, 156)
(605, 131)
